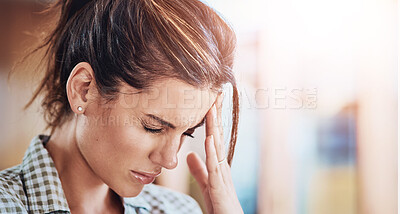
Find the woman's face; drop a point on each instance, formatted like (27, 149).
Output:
(140, 132)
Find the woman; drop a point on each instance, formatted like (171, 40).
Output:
(126, 82)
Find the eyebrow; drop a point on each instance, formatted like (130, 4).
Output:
(172, 126)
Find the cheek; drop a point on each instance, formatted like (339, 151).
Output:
(125, 144)
(117, 143)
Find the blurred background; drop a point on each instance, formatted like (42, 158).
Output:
(319, 98)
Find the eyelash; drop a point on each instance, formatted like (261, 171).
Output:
(156, 131)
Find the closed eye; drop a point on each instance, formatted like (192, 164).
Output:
(190, 131)
(188, 134)
(152, 130)
(160, 130)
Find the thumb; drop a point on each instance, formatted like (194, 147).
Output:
(197, 169)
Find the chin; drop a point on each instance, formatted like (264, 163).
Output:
(132, 191)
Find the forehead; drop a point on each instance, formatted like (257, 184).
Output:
(172, 100)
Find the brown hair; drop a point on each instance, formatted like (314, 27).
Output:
(136, 42)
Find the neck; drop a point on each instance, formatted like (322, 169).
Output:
(83, 189)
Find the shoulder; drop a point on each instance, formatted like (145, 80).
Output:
(164, 200)
(12, 195)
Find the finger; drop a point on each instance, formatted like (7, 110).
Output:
(212, 129)
(198, 169)
(218, 102)
(214, 172)
(226, 173)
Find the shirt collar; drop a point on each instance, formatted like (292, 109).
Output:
(43, 186)
(137, 201)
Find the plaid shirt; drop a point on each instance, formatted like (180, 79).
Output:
(34, 187)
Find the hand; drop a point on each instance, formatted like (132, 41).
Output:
(215, 179)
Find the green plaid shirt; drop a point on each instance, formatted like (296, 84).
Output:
(34, 187)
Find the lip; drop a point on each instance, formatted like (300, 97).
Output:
(144, 177)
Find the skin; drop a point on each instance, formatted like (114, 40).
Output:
(95, 151)
(214, 176)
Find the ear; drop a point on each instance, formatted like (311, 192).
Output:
(79, 86)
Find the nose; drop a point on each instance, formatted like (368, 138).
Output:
(166, 155)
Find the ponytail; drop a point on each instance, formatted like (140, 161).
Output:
(56, 108)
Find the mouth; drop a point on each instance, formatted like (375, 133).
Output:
(144, 177)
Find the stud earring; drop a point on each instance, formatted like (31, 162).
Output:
(80, 108)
